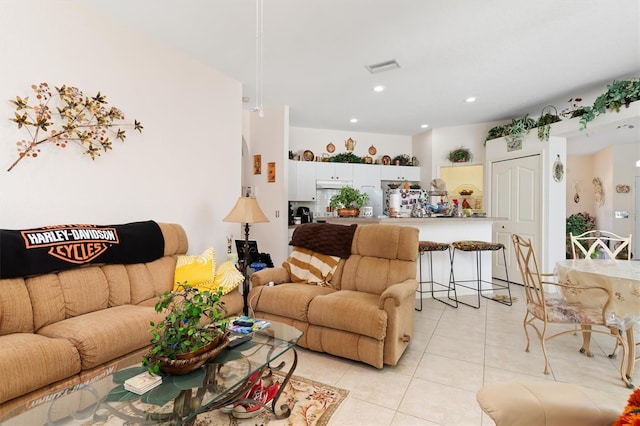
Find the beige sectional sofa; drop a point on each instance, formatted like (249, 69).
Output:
(366, 314)
(64, 329)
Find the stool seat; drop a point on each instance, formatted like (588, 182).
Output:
(471, 245)
(432, 246)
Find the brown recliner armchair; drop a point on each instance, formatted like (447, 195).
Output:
(366, 314)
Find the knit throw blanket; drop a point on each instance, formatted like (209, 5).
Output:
(325, 238)
(53, 248)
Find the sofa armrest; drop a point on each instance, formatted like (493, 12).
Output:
(398, 292)
(278, 275)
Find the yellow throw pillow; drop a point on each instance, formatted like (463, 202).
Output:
(228, 278)
(197, 271)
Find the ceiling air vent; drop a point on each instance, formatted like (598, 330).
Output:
(383, 66)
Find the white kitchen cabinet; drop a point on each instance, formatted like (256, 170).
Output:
(334, 171)
(400, 173)
(302, 180)
(366, 175)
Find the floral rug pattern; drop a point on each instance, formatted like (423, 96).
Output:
(312, 403)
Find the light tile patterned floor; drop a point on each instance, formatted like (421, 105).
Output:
(452, 354)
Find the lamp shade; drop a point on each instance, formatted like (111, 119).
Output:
(246, 210)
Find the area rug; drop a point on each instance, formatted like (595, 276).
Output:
(313, 403)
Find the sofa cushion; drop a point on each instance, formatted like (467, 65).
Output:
(141, 282)
(31, 361)
(287, 300)
(47, 299)
(119, 285)
(107, 334)
(84, 289)
(358, 313)
(198, 271)
(16, 315)
(308, 266)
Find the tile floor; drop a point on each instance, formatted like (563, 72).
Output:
(452, 354)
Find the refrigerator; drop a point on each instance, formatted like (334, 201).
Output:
(376, 199)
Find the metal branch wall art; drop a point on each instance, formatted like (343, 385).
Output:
(87, 121)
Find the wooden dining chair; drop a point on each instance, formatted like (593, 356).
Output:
(547, 307)
(586, 245)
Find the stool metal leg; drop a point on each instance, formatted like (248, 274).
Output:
(448, 287)
(478, 281)
(420, 292)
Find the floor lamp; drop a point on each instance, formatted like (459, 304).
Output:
(246, 211)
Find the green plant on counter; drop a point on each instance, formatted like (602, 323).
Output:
(618, 93)
(346, 157)
(182, 330)
(349, 197)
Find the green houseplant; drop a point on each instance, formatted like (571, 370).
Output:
(547, 118)
(618, 93)
(577, 224)
(194, 319)
(460, 155)
(349, 199)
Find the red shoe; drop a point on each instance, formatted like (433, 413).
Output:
(255, 388)
(264, 396)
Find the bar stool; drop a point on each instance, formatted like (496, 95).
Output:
(430, 247)
(478, 247)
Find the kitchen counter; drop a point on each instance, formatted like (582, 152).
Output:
(447, 230)
(405, 220)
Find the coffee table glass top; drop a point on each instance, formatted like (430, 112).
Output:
(179, 399)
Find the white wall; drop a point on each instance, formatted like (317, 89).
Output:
(624, 173)
(183, 168)
(268, 136)
(316, 140)
(602, 169)
(579, 175)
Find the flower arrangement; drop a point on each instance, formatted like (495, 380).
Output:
(631, 413)
(87, 121)
(182, 330)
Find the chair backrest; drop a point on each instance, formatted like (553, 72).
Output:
(586, 244)
(528, 265)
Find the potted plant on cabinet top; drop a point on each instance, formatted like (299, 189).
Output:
(183, 335)
(349, 201)
(460, 155)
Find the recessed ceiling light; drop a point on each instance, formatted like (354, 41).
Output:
(353, 120)
(424, 126)
(378, 88)
(470, 99)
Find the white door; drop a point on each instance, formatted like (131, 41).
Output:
(515, 196)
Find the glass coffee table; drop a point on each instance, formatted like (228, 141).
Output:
(179, 399)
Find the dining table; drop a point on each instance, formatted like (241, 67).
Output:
(621, 279)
